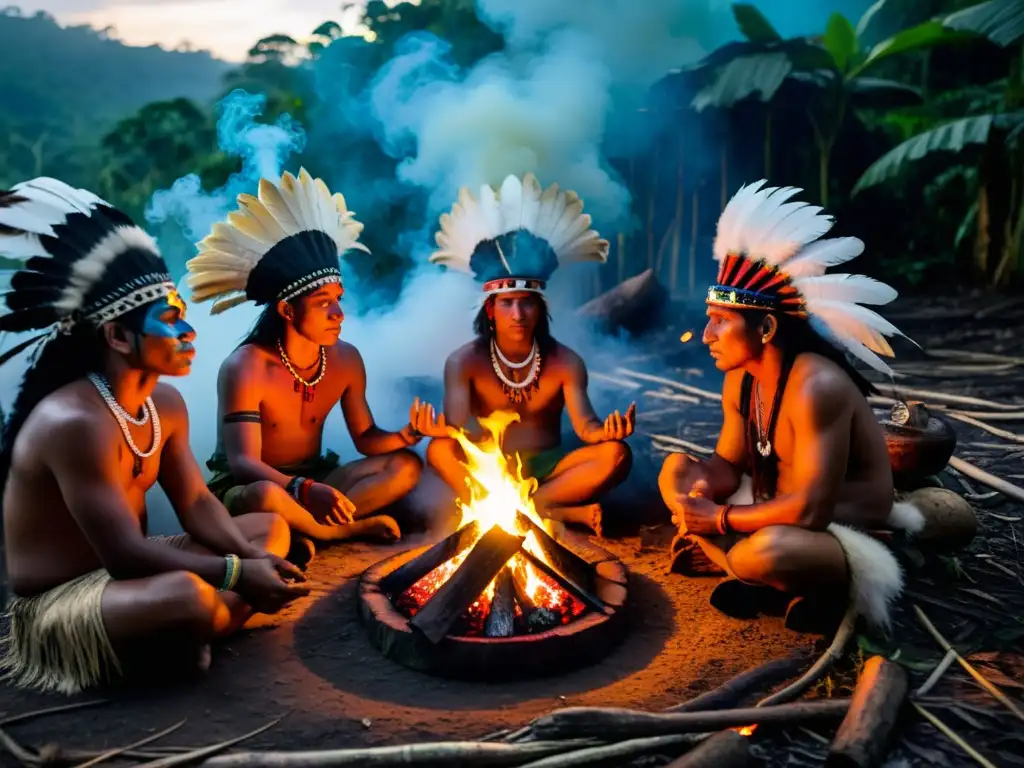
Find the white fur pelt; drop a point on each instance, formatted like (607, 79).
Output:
(876, 578)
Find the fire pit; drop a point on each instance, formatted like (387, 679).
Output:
(506, 596)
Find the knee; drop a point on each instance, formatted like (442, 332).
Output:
(189, 602)
(676, 465)
(616, 458)
(441, 452)
(405, 468)
(262, 496)
(274, 535)
(759, 557)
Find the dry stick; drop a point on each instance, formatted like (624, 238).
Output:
(440, 754)
(121, 750)
(936, 674)
(669, 383)
(18, 752)
(623, 749)
(982, 680)
(991, 416)
(980, 356)
(987, 427)
(198, 754)
(831, 655)
(50, 711)
(996, 483)
(732, 691)
(944, 397)
(952, 735)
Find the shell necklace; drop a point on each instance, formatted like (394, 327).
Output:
(307, 388)
(124, 418)
(517, 391)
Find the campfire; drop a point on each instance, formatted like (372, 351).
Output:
(505, 574)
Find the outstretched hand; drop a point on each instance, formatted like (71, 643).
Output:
(424, 421)
(618, 426)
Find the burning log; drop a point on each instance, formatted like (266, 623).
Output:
(726, 749)
(442, 610)
(406, 575)
(501, 618)
(567, 562)
(633, 305)
(861, 739)
(589, 599)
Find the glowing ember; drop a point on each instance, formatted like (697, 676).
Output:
(747, 730)
(498, 493)
(686, 337)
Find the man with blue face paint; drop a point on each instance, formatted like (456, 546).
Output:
(281, 251)
(93, 597)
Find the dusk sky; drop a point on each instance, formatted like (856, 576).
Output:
(228, 28)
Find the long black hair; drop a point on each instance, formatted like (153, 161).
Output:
(542, 333)
(267, 330)
(796, 336)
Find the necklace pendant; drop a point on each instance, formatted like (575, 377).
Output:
(137, 467)
(764, 447)
(307, 394)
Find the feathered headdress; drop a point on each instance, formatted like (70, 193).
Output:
(85, 261)
(275, 246)
(513, 239)
(770, 257)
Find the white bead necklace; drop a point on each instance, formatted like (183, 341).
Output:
(516, 391)
(123, 418)
(515, 366)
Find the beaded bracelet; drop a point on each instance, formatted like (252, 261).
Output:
(304, 491)
(293, 486)
(723, 519)
(232, 572)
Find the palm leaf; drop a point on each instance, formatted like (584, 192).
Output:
(841, 41)
(920, 37)
(753, 24)
(1001, 21)
(877, 93)
(951, 137)
(741, 78)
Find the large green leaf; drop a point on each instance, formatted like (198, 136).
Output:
(951, 137)
(1001, 21)
(841, 41)
(877, 93)
(753, 24)
(925, 35)
(741, 78)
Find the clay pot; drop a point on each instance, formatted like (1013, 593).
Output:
(950, 521)
(918, 448)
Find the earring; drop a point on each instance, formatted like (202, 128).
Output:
(764, 339)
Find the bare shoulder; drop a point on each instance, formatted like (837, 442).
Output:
(822, 384)
(463, 359)
(346, 354)
(74, 417)
(566, 362)
(169, 403)
(244, 364)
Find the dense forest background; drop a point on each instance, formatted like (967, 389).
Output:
(903, 117)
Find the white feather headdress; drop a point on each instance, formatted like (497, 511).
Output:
(771, 257)
(276, 246)
(514, 238)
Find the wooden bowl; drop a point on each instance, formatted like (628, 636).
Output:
(919, 447)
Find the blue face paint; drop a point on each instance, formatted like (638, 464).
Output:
(155, 324)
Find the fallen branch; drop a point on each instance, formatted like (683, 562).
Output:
(22, 754)
(669, 383)
(725, 749)
(610, 724)
(440, 754)
(50, 711)
(199, 754)
(996, 483)
(982, 680)
(952, 736)
(618, 752)
(878, 699)
(979, 356)
(831, 655)
(902, 393)
(103, 757)
(991, 415)
(733, 691)
(959, 416)
(936, 674)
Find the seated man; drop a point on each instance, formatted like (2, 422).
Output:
(277, 388)
(93, 599)
(515, 364)
(796, 420)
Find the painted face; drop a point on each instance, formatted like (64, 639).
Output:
(516, 315)
(730, 339)
(318, 315)
(165, 339)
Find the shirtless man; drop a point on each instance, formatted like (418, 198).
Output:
(277, 388)
(90, 432)
(796, 419)
(515, 364)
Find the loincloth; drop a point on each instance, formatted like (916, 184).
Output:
(540, 464)
(57, 640)
(876, 578)
(229, 491)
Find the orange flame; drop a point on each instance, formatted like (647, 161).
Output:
(747, 730)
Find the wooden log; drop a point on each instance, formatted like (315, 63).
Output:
(877, 701)
(403, 577)
(567, 562)
(734, 690)
(489, 555)
(501, 616)
(588, 598)
(526, 604)
(725, 749)
(634, 305)
(612, 724)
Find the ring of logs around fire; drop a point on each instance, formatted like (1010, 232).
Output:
(430, 641)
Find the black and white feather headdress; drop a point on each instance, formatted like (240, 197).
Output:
(85, 261)
(515, 237)
(276, 246)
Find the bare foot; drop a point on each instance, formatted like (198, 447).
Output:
(205, 658)
(587, 515)
(379, 527)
